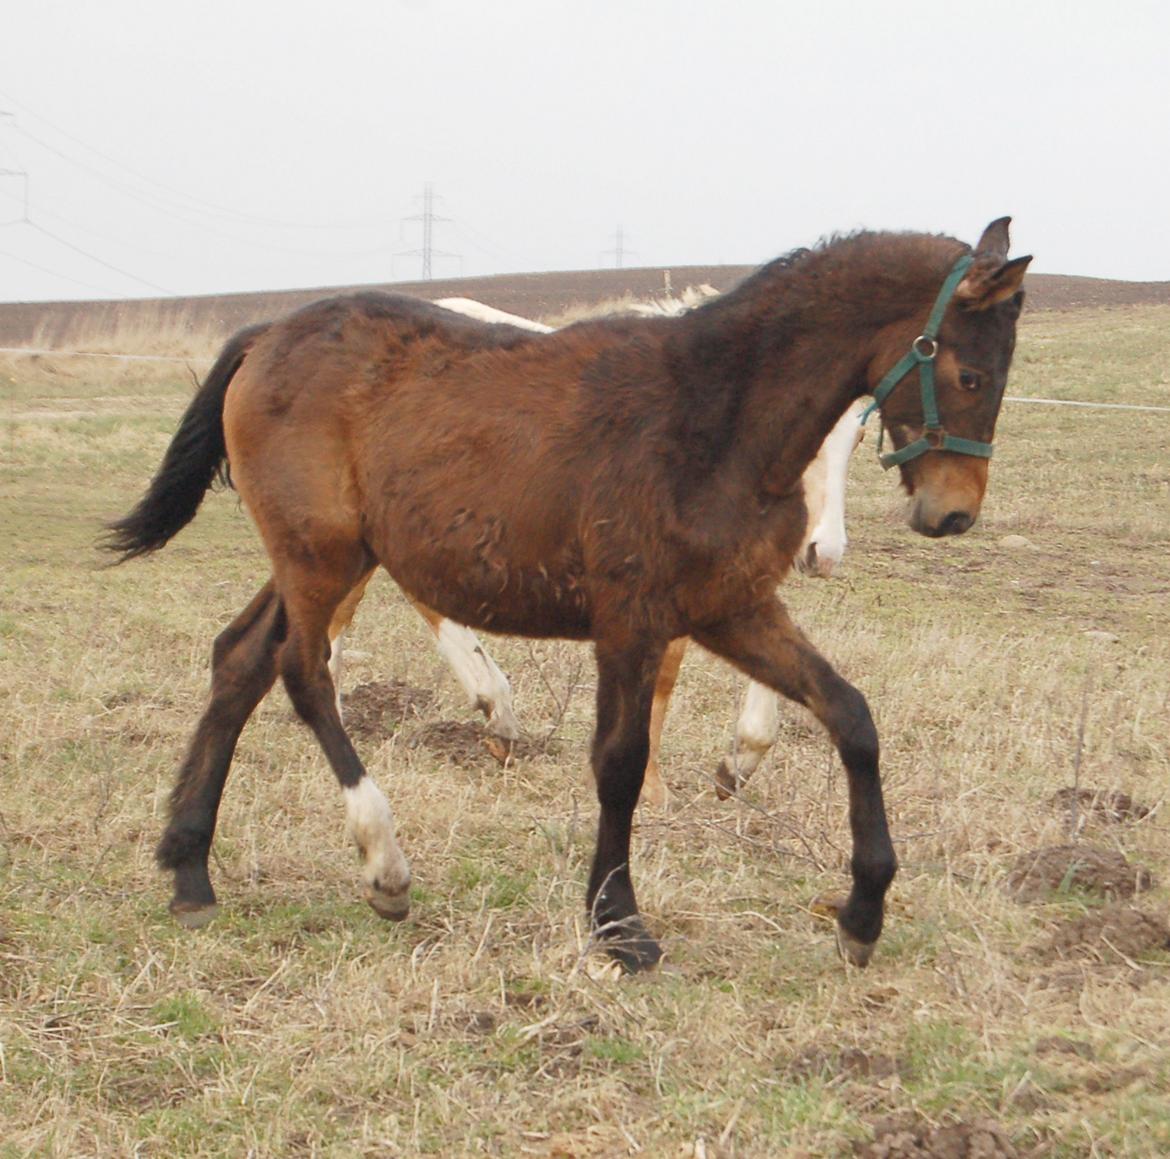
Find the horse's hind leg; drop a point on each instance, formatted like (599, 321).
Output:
(756, 732)
(486, 686)
(337, 627)
(654, 791)
(312, 592)
(243, 670)
(771, 649)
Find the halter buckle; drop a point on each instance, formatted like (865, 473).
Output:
(935, 437)
(925, 348)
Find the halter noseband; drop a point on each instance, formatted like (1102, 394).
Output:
(922, 354)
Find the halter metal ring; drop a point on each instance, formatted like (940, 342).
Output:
(925, 348)
(935, 437)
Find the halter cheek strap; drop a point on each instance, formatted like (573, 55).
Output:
(922, 354)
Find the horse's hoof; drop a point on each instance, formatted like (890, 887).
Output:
(655, 792)
(193, 915)
(852, 949)
(499, 748)
(633, 948)
(636, 957)
(856, 953)
(726, 782)
(391, 906)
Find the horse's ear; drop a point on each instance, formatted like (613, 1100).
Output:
(990, 282)
(995, 241)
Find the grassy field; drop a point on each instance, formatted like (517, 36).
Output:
(991, 1022)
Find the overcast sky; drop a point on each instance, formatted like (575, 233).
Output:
(253, 144)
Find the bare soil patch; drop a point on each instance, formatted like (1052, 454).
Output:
(816, 1061)
(1110, 933)
(468, 743)
(378, 707)
(908, 1139)
(1039, 873)
(462, 743)
(1108, 805)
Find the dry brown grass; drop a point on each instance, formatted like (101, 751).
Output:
(110, 367)
(300, 1024)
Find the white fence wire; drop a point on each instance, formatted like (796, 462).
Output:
(32, 351)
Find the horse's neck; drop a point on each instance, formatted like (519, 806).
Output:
(777, 361)
(797, 400)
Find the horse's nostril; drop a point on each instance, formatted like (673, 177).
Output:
(955, 523)
(810, 557)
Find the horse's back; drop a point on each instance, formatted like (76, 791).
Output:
(438, 442)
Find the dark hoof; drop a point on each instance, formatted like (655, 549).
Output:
(851, 948)
(391, 906)
(632, 947)
(855, 952)
(193, 915)
(727, 784)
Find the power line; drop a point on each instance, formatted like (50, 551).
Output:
(184, 213)
(197, 204)
(94, 258)
(51, 273)
(20, 174)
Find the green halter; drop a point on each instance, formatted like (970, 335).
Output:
(922, 353)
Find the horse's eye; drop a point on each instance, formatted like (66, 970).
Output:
(968, 380)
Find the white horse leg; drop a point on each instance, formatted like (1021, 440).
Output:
(385, 870)
(336, 652)
(756, 732)
(486, 686)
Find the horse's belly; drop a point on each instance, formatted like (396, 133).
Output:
(490, 588)
(512, 602)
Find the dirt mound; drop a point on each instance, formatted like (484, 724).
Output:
(908, 1139)
(377, 708)
(461, 742)
(1100, 804)
(816, 1061)
(1040, 873)
(469, 743)
(1109, 933)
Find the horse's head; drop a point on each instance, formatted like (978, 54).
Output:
(825, 540)
(942, 419)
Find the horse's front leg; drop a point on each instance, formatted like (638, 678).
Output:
(626, 676)
(766, 645)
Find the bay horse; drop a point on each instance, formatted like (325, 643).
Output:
(758, 725)
(628, 481)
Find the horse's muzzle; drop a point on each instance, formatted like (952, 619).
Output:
(812, 563)
(953, 523)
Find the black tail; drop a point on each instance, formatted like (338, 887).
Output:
(197, 455)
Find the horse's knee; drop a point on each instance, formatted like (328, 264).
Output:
(619, 768)
(856, 733)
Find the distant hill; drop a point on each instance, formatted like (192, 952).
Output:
(530, 295)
